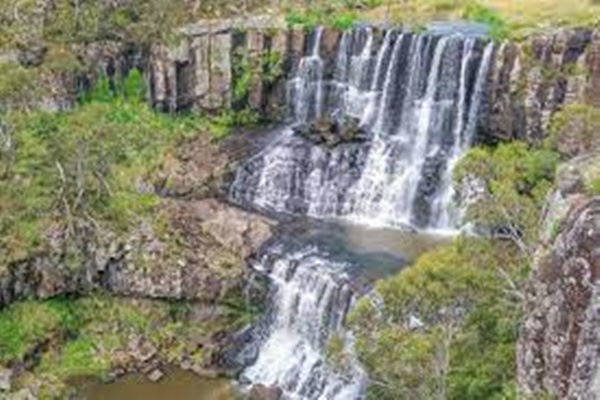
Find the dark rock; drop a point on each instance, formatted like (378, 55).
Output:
(263, 392)
(331, 132)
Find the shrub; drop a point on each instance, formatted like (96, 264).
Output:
(595, 187)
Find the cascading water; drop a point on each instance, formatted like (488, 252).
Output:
(308, 84)
(311, 295)
(417, 96)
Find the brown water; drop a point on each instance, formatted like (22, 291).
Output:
(176, 385)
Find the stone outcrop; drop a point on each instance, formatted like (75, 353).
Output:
(530, 81)
(201, 168)
(206, 262)
(559, 344)
(200, 256)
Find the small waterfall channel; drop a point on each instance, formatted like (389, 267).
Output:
(417, 97)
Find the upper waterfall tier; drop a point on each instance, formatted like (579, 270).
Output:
(417, 98)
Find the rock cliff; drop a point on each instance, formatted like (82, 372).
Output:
(532, 80)
(559, 342)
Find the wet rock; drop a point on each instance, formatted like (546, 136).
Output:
(263, 392)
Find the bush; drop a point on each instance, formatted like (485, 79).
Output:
(83, 171)
(595, 187)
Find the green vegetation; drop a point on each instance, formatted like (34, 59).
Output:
(420, 341)
(336, 14)
(86, 171)
(30, 324)
(87, 337)
(477, 12)
(517, 179)
(505, 17)
(24, 23)
(447, 326)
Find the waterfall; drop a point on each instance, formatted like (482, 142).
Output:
(310, 298)
(417, 96)
(305, 91)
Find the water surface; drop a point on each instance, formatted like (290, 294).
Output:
(176, 385)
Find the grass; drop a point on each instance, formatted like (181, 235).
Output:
(27, 325)
(521, 17)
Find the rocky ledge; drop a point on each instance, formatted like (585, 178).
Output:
(199, 254)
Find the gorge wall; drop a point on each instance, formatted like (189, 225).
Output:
(558, 346)
(529, 80)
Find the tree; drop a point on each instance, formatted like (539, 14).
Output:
(516, 180)
(413, 334)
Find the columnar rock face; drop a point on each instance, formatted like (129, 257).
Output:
(529, 81)
(224, 64)
(532, 80)
(559, 345)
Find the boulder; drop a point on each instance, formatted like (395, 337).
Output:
(332, 132)
(238, 230)
(200, 255)
(263, 392)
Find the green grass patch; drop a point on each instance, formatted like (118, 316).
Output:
(25, 325)
(77, 358)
